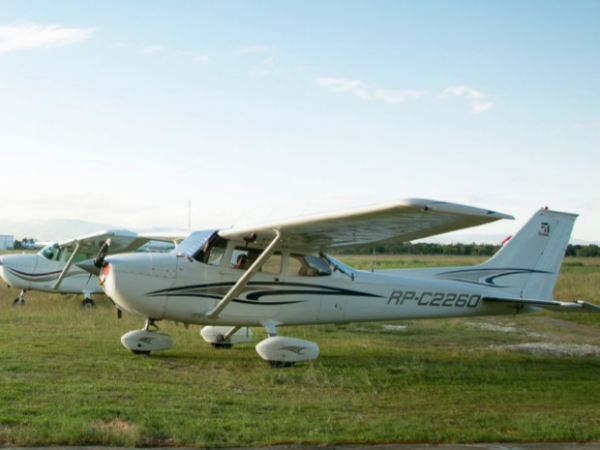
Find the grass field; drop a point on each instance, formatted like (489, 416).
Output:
(65, 379)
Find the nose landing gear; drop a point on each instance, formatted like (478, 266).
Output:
(20, 300)
(88, 303)
(144, 341)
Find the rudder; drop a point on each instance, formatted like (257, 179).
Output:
(532, 258)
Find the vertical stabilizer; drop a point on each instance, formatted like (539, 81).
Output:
(529, 263)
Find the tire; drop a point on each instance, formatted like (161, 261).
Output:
(219, 346)
(88, 303)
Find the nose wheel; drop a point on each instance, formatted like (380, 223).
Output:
(20, 300)
(142, 342)
(88, 303)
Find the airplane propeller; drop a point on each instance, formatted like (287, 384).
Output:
(94, 266)
(99, 259)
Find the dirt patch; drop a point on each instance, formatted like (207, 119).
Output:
(555, 336)
(551, 349)
(115, 426)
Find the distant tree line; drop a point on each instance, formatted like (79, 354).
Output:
(24, 244)
(583, 250)
(424, 248)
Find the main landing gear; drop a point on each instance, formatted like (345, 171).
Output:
(226, 337)
(278, 351)
(86, 303)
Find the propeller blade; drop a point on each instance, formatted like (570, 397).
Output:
(99, 259)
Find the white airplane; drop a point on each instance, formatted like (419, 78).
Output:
(276, 274)
(52, 269)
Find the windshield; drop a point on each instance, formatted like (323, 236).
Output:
(51, 252)
(195, 244)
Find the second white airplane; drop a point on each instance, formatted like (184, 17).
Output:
(53, 269)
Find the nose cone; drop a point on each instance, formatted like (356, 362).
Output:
(136, 282)
(89, 266)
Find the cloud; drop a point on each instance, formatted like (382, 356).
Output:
(28, 36)
(479, 107)
(397, 96)
(154, 49)
(204, 59)
(588, 125)
(359, 89)
(174, 52)
(250, 49)
(474, 97)
(463, 91)
(343, 85)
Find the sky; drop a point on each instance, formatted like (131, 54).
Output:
(205, 114)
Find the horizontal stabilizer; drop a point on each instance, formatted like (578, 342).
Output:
(575, 306)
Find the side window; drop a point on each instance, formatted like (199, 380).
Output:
(83, 257)
(242, 258)
(308, 266)
(317, 267)
(79, 257)
(239, 259)
(296, 266)
(273, 264)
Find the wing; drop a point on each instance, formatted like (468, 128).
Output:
(121, 241)
(90, 244)
(389, 223)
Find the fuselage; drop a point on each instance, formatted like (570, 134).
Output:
(41, 272)
(183, 289)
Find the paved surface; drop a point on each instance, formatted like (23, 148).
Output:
(504, 446)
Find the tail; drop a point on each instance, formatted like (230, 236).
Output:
(529, 263)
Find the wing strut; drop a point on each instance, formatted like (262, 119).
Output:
(237, 287)
(67, 266)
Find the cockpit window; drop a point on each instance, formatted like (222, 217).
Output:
(213, 252)
(51, 252)
(308, 266)
(196, 245)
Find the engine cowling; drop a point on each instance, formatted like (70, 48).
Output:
(287, 351)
